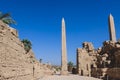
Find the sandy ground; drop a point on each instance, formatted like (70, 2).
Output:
(69, 77)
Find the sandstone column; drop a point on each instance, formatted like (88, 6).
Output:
(112, 28)
(64, 50)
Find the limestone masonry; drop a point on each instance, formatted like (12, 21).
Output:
(112, 28)
(15, 64)
(64, 69)
(103, 62)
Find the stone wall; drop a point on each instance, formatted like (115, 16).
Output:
(109, 60)
(103, 62)
(15, 64)
(83, 62)
(86, 58)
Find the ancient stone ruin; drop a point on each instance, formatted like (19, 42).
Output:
(64, 69)
(85, 58)
(15, 64)
(103, 62)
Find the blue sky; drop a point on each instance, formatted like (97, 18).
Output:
(40, 22)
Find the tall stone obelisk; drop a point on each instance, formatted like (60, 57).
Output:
(64, 69)
(112, 28)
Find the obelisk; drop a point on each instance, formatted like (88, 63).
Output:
(112, 28)
(64, 69)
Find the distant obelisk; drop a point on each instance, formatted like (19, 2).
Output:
(112, 28)
(64, 69)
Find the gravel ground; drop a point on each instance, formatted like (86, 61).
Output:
(70, 77)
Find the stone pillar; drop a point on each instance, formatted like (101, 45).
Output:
(64, 69)
(112, 28)
(83, 62)
(78, 60)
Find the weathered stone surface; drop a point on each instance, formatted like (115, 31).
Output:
(112, 28)
(64, 50)
(83, 62)
(14, 63)
(113, 73)
(86, 58)
(14, 31)
(103, 63)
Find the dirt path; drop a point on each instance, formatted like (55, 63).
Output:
(70, 77)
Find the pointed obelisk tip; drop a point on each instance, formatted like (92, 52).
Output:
(63, 19)
(110, 15)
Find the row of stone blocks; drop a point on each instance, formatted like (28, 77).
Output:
(15, 64)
